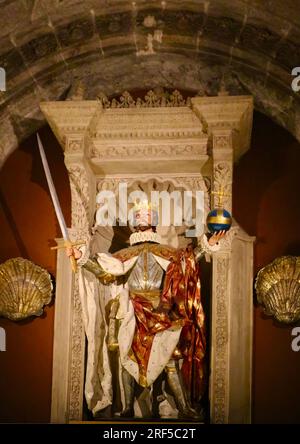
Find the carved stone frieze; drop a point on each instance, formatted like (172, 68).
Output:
(141, 151)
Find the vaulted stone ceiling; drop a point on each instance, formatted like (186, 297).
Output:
(48, 46)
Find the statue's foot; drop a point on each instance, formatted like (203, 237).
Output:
(192, 414)
(128, 412)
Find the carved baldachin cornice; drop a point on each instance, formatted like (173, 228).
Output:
(144, 123)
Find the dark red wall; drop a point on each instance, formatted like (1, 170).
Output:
(266, 204)
(28, 227)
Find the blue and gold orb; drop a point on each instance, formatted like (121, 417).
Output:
(218, 219)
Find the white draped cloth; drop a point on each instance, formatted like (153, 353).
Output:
(94, 298)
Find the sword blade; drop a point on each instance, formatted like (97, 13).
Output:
(52, 190)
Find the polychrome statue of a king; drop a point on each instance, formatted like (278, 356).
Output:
(144, 302)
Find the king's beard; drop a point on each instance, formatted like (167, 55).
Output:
(145, 228)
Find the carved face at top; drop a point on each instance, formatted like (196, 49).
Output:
(145, 219)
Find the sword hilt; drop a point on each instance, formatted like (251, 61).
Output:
(69, 244)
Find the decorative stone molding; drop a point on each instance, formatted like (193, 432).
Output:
(70, 118)
(82, 192)
(148, 123)
(148, 151)
(80, 197)
(222, 152)
(223, 181)
(236, 117)
(219, 383)
(74, 146)
(222, 141)
(82, 182)
(76, 387)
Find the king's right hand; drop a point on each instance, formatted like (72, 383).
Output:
(73, 251)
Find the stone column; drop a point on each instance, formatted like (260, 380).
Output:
(62, 338)
(232, 303)
(69, 342)
(222, 154)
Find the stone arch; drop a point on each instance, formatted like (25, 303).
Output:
(48, 46)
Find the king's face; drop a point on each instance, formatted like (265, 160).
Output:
(143, 218)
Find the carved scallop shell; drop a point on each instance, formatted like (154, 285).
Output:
(24, 289)
(278, 288)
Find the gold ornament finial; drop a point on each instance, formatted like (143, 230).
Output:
(220, 195)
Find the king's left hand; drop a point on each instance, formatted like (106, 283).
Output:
(216, 237)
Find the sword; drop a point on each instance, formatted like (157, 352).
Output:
(57, 208)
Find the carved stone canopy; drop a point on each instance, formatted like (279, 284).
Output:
(120, 138)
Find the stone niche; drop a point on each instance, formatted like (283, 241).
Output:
(190, 147)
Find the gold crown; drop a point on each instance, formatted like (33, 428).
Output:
(144, 205)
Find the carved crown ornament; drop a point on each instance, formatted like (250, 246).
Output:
(153, 99)
(25, 289)
(277, 288)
